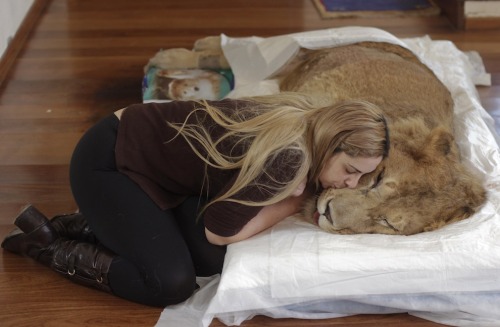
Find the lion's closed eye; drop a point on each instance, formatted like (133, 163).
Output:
(379, 178)
(385, 222)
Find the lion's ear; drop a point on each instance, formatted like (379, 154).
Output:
(439, 143)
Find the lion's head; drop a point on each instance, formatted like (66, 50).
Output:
(422, 186)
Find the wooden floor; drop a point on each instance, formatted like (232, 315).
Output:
(82, 61)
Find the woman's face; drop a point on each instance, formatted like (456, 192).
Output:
(342, 170)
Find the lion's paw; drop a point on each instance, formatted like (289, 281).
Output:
(176, 58)
(209, 43)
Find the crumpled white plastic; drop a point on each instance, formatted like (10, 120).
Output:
(450, 276)
(193, 311)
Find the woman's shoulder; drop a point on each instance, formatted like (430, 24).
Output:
(181, 106)
(157, 111)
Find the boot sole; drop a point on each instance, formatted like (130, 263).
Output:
(30, 219)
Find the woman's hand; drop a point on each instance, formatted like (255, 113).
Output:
(301, 188)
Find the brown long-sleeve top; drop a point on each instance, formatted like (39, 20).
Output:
(168, 170)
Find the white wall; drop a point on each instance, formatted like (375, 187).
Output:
(12, 13)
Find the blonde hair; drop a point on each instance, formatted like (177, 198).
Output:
(290, 124)
(355, 127)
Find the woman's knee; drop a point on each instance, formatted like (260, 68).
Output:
(170, 286)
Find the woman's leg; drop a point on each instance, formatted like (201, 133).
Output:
(208, 258)
(153, 264)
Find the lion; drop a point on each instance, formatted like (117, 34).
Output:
(422, 184)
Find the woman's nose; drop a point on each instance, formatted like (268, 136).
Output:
(352, 181)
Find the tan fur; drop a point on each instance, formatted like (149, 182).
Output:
(422, 184)
(206, 54)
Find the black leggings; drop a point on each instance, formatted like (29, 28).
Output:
(159, 252)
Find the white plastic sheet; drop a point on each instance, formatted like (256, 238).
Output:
(450, 276)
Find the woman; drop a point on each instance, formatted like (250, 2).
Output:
(162, 188)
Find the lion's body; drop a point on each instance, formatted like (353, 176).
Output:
(385, 74)
(423, 184)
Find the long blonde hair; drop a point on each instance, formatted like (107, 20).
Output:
(286, 123)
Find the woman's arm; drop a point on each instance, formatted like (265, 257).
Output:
(267, 217)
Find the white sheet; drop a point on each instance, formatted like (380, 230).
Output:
(450, 276)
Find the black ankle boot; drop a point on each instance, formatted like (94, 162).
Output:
(74, 227)
(33, 235)
(84, 263)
